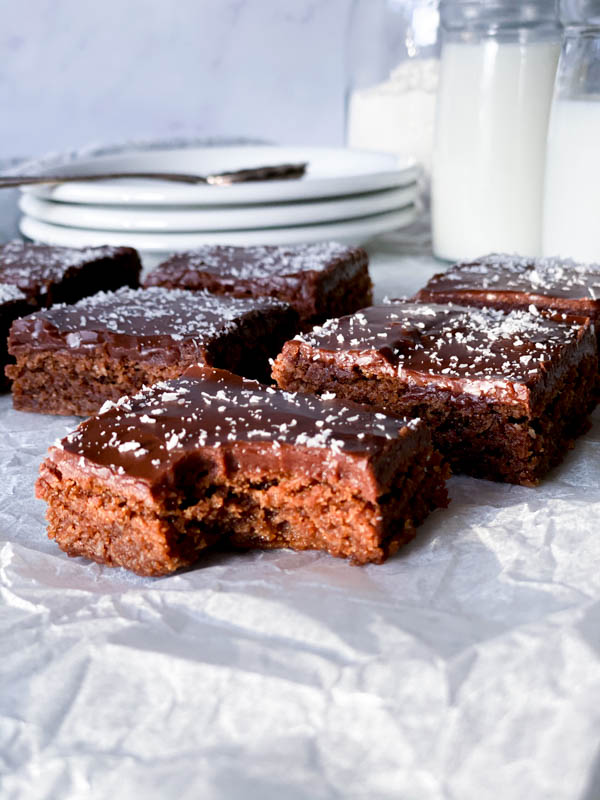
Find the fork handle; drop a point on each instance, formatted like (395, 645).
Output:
(11, 181)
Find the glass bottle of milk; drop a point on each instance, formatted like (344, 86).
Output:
(498, 66)
(572, 194)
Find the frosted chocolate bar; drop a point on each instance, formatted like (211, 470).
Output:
(70, 359)
(504, 393)
(212, 458)
(319, 280)
(48, 275)
(513, 282)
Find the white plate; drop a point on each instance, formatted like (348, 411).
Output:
(354, 231)
(332, 172)
(132, 218)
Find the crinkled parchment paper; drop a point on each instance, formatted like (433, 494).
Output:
(465, 667)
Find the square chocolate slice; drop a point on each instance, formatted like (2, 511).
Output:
(513, 282)
(319, 280)
(48, 275)
(151, 481)
(71, 359)
(504, 393)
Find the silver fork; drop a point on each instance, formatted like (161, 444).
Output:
(267, 173)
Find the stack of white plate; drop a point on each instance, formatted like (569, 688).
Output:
(346, 195)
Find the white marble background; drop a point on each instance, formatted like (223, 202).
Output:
(75, 71)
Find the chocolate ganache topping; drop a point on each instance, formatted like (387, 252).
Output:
(240, 423)
(459, 345)
(32, 266)
(500, 273)
(251, 263)
(149, 322)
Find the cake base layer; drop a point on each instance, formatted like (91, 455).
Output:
(88, 518)
(55, 382)
(59, 382)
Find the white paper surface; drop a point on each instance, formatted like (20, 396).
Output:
(467, 666)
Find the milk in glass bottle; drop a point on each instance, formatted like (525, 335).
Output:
(498, 66)
(572, 194)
